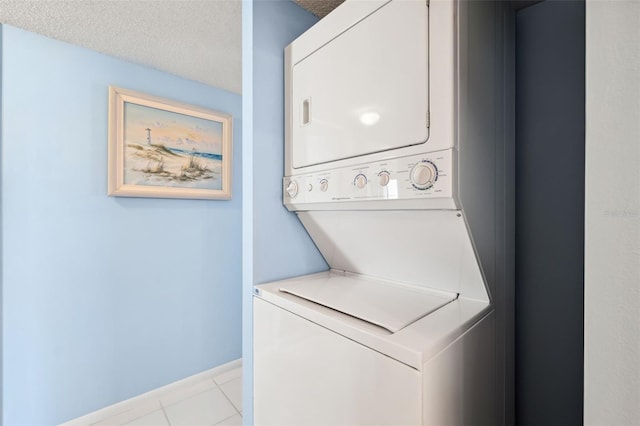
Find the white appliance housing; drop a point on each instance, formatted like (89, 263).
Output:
(401, 329)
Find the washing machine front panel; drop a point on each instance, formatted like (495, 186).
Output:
(308, 375)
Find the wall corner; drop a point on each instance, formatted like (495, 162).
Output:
(1, 240)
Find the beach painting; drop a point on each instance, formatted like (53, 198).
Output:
(161, 148)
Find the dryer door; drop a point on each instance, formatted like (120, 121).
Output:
(364, 90)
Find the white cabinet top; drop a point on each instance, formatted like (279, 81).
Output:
(391, 306)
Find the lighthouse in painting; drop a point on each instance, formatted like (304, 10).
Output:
(148, 136)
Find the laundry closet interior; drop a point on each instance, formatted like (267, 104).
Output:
(400, 162)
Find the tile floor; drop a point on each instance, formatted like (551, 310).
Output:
(212, 401)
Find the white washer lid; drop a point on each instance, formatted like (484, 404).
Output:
(388, 305)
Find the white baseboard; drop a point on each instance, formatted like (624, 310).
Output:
(150, 401)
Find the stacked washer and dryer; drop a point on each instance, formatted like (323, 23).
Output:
(402, 329)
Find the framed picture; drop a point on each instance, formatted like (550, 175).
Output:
(165, 149)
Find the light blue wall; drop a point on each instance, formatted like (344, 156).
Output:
(103, 298)
(281, 246)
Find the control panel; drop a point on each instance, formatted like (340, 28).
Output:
(421, 176)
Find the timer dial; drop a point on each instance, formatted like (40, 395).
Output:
(423, 175)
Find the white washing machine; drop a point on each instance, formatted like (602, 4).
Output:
(400, 330)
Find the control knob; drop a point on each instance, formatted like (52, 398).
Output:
(423, 175)
(324, 185)
(292, 189)
(360, 181)
(383, 177)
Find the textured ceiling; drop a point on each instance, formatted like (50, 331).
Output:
(320, 8)
(196, 39)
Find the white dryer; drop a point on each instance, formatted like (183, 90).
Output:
(400, 330)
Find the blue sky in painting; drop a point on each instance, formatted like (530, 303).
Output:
(171, 129)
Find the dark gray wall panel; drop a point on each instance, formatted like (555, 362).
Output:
(549, 213)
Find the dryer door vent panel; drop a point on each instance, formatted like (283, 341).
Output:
(364, 91)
